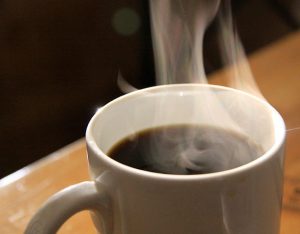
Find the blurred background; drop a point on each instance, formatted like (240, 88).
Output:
(60, 60)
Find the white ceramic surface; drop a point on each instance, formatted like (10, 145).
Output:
(243, 200)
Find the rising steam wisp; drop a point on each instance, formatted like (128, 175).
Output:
(178, 28)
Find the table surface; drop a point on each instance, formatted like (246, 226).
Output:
(277, 72)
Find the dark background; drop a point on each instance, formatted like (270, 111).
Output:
(59, 61)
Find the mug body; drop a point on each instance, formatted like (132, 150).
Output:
(246, 199)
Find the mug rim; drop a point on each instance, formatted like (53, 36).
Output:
(276, 146)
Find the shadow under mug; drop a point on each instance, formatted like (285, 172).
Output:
(243, 200)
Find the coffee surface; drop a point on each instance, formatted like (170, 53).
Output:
(185, 150)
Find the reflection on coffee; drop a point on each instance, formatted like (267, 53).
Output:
(185, 149)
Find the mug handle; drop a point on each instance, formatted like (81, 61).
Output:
(67, 202)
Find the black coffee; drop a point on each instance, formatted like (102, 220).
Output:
(185, 150)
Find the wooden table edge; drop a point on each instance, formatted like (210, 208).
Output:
(43, 162)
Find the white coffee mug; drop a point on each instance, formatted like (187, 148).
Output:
(122, 199)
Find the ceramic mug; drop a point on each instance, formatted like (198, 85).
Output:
(122, 199)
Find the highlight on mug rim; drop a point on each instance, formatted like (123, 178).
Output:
(275, 116)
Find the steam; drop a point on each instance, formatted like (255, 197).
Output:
(233, 53)
(123, 85)
(178, 28)
(196, 150)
